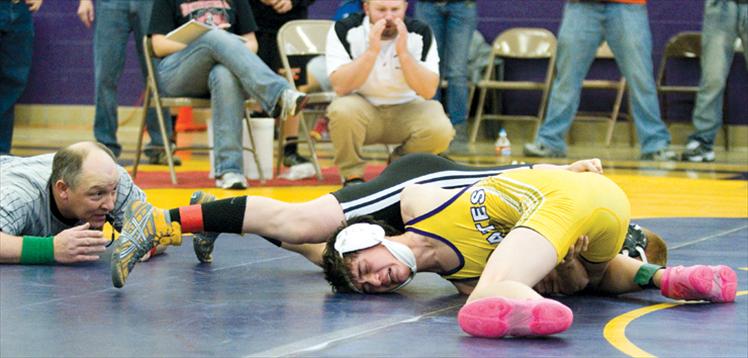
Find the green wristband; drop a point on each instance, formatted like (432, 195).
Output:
(38, 250)
(645, 274)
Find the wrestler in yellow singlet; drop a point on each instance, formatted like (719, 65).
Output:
(560, 205)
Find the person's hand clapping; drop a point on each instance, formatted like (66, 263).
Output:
(401, 46)
(375, 35)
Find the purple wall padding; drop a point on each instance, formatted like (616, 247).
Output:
(62, 71)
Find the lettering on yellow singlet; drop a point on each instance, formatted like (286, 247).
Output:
(479, 214)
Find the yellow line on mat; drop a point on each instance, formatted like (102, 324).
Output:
(615, 330)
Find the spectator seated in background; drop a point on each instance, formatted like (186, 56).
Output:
(221, 63)
(385, 69)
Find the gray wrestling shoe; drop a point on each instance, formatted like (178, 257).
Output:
(144, 228)
(203, 242)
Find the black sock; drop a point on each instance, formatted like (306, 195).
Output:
(290, 148)
(225, 215)
(174, 215)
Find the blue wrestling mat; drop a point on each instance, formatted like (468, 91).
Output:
(258, 300)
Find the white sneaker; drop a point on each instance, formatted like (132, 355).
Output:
(232, 181)
(299, 171)
(292, 103)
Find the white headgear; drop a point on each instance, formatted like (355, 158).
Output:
(363, 236)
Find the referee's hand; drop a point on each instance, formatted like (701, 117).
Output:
(79, 244)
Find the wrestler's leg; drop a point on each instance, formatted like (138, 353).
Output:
(522, 259)
(293, 223)
(503, 302)
(700, 282)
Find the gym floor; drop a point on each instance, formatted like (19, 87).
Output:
(258, 300)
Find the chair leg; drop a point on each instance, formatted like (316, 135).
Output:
(141, 132)
(611, 128)
(632, 130)
(471, 94)
(310, 143)
(478, 114)
(167, 144)
(615, 112)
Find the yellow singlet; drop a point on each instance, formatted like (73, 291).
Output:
(559, 204)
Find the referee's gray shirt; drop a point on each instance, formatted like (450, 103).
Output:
(25, 202)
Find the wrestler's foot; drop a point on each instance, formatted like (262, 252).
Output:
(496, 317)
(700, 282)
(203, 242)
(144, 227)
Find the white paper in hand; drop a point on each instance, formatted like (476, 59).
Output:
(188, 32)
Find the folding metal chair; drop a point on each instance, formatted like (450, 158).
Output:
(303, 38)
(517, 43)
(153, 98)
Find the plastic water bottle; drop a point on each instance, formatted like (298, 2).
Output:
(503, 146)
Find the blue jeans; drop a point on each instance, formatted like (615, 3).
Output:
(16, 45)
(115, 20)
(723, 22)
(626, 28)
(453, 24)
(218, 65)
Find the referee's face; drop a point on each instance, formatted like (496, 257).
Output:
(95, 193)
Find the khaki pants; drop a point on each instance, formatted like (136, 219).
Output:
(417, 126)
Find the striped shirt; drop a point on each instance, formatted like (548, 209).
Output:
(26, 201)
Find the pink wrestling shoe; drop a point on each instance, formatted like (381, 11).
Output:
(700, 282)
(496, 317)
